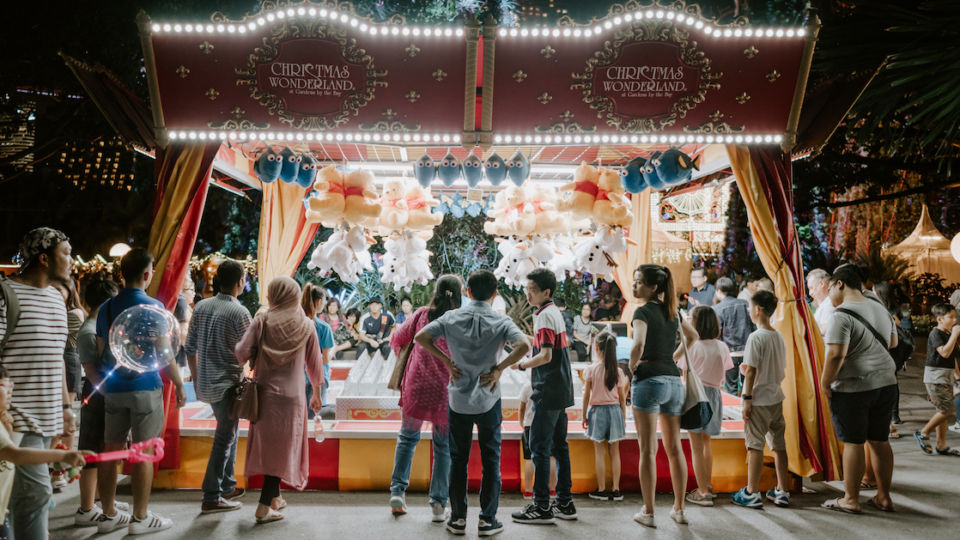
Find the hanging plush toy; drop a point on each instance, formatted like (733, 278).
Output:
(515, 264)
(456, 206)
(518, 168)
(424, 170)
(518, 216)
(563, 263)
(308, 171)
(393, 216)
(268, 165)
(419, 205)
(361, 201)
(650, 173)
(472, 170)
(326, 204)
(496, 169)
(578, 197)
(594, 253)
(449, 169)
(543, 200)
(632, 175)
(611, 206)
(674, 167)
(290, 165)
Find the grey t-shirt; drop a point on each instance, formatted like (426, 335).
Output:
(87, 343)
(868, 364)
(766, 352)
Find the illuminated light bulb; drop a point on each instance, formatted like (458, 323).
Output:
(405, 31)
(659, 14)
(202, 135)
(301, 11)
(261, 21)
(535, 32)
(801, 32)
(791, 32)
(448, 32)
(166, 28)
(555, 32)
(173, 135)
(628, 17)
(406, 137)
(524, 32)
(436, 138)
(567, 32)
(779, 33)
(188, 28)
(498, 139)
(671, 15)
(769, 32)
(644, 139)
(242, 29)
(323, 12)
(548, 139)
(528, 139)
(748, 32)
(617, 20)
(416, 30)
(210, 28)
(288, 136)
(344, 17)
(709, 31)
(605, 139)
(699, 139)
(538, 139)
(363, 27)
(429, 31)
(339, 136)
(270, 17)
(748, 139)
(456, 138)
(503, 32)
(310, 136)
(354, 22)
(728, 139)
(290, 11)
(634, 139)
(299, 136)
(690, 21)
(373, 30)
(596, 138)
(508, 138)
(416, 137)
(608, 25)
(458, 32)
(243, 135)
(192, 135)
(777, 138)
(376, 136)
(446, 138)
(596, 30)
(577, 32)
(727, 33)
(155, 27)
(578, 139)
(639, 14)
(177, 28)
(280, 15)
(738, 32)
(312, 12)
(395, 31)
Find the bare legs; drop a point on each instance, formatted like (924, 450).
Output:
(600, 451)
(646, 424)
(938, 422)
(702, 450)
(881, 456)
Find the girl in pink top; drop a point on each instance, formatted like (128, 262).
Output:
(604, 412)
(709, 359)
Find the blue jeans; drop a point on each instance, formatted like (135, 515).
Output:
(219, 479)
(30, 498)
(326, 384)
(407, 441)
(461, 437)
(548, 437)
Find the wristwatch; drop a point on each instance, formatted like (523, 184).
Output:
(520, 366)
(67, 406)
(746, 396)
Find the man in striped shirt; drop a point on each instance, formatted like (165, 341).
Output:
(217, 325)
(33, 357)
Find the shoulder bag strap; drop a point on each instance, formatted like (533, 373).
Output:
(12, 308)
(864, 322)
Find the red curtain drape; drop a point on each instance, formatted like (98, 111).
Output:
(182, 175)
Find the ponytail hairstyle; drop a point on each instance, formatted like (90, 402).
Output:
(446, 296)
(659, 278)
(606, 344)
(311, 297)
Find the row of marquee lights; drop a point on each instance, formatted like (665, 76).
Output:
(711, 29)
(446, 138)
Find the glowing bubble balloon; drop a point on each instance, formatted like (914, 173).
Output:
(144, 338)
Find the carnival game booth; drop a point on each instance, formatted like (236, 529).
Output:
(558, 134)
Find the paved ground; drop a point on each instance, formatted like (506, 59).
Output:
(926, 491)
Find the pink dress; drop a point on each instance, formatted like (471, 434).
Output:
(277, 443)
(423, 393)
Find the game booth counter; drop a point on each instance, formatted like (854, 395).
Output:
(382, 129)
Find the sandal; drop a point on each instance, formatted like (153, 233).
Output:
(272, 515)
(873, 502)
(949, 452)
(894, 434)
(279, 505)
(865, 485)
(834, 504)
(924, 442)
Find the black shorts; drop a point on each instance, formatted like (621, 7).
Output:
(864, 416)
(92, 422)
(525, 443)
(71, 360)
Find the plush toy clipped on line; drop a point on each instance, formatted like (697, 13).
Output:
(515, 264)
(593, 254)
(496, 169)
(549, 220)
(424, 170)
(361, 201)
(268, 165)
(578, 197)
(345, 252)
(518, 168)
(419, 206)
(393, 216)
(406, 261)
(563, 263)
(674, 167)
(307, 174)
(326, 203)
(650, 175)
(611, 206)
(449, 169)
(518, 216)
(472, 170)
(632, 175)
(290, 165)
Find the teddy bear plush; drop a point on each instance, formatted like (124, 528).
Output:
(549, 220)
(611, 207)
(496, 226)
(518, 216)
(578, 196)
(326, 204)
(419, 203)
(393, 216)
(360, 198)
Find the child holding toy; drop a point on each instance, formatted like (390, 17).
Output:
(604, 413)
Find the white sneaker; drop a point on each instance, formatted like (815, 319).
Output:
(107, 523)
(151, 523)
(677, 516)
(644, 518)
(398, 505)
(122, 506)
(955, 427)
(58, 483)
(439, 514)
(88, 518)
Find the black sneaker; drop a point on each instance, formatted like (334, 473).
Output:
(566, 511)
(616, 495)
(535, 515)
(599, 495)
(456, 526)
(489, 528)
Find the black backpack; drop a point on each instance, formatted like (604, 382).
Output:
(12, 308)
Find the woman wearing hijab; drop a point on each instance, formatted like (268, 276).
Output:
(280, 343)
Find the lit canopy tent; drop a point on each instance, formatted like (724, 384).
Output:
(928, 251)
(318, 78)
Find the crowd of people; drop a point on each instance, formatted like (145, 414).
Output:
(54, 350)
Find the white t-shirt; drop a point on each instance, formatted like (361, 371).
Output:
(709, 359)
(526, 394)
(766, 352)
(824, 315)
(34, 359)
(6, 474)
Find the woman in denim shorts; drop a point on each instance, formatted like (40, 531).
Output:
(657, 389)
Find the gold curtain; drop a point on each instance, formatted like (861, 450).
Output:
(284, 235)
(808, 424)
(635, 255)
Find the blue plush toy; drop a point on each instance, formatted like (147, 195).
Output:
(632, 175)
(290, 165)
(267, 167)
(424, 170)
(518, 167)
(496, 169)
(456, 206)
(675, 167)
(650, 173)
(474, 209)
(473, 170)
(308, 171)
(449, 170)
